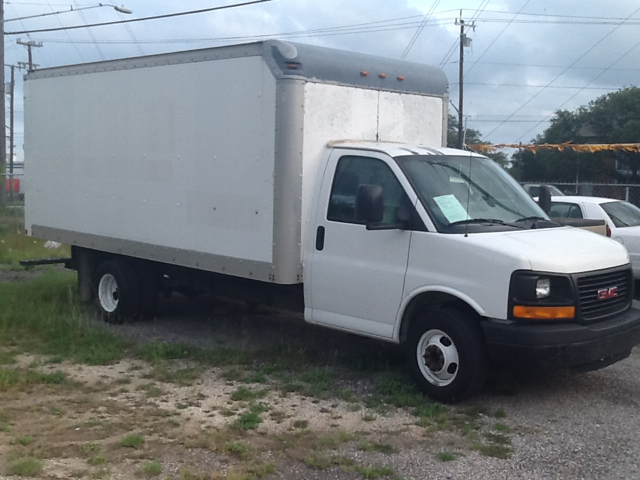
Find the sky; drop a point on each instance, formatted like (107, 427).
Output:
(527, 59)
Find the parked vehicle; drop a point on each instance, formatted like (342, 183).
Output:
(315, 179)
(623, 219)
(533, 189)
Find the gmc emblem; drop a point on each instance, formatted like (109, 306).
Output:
(607, 293)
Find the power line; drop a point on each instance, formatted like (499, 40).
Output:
(419, 30)
(130, 20)
(565, 70)
(497, 37)
(583, 88)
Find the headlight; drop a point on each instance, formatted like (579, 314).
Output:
(541, 296)
(543, 287)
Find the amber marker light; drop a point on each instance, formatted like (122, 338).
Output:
(544, 313)
(364, 73)
(400, 78)
(382, 75)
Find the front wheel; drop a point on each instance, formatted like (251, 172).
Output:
(117, 291)
(447, 356)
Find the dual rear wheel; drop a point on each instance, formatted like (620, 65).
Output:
(124, 292)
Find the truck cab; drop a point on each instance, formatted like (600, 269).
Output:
(442, 251)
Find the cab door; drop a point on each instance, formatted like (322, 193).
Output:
(354, 277)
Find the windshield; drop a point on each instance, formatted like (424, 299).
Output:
(622, 214)
(466, 190)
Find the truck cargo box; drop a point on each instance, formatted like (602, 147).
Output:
(207, 158)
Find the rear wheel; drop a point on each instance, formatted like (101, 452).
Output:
(447, 355)
(117, 291)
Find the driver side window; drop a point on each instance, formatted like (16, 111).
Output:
(353, 171)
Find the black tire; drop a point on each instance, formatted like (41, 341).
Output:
(117, 291)
(447, 355)
(149, 290)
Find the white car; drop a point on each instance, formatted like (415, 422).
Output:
(622, 218)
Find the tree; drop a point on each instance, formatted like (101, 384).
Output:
(611, 118)
(472, 136)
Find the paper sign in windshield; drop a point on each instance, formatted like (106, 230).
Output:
(451, 208)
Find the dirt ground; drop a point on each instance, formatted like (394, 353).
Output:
(134, 420)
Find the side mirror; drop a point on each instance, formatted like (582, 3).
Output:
(369, 204)
(544, 199)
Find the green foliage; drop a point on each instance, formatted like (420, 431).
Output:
(27, 440)
(42, 316)
(132, 441)
(152, 468)
(26, 467)
(446, 456)
(611, 118)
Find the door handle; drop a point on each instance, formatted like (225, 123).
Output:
(320, 238)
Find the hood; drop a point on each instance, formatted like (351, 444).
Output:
(556, 250)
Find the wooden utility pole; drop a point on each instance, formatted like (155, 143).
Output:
(464, 42)
(30, 45)
(3, 130)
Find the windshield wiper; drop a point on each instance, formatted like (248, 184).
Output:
(479, 220)
(533, 218)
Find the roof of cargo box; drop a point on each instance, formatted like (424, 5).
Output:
(290, 60)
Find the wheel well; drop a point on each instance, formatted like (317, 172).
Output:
(431, 301)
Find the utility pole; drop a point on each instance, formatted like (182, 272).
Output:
(12, 87)
(3, 137)
(464, 42)
(30, 45)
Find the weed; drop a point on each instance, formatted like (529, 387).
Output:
(337, 439)
(377, 447)
(369, 417)
(302, 424)
(236, 447)
(233, 373)
(278, 416)
(88, 448)
(184, 376)
(501, 427)
(244, 394)
(257, 377)
(247, 421)
(152, 468)
(96, 460)
(151, 390)
(500, 413)
(26, 440)
(446, 456)
(186, 474)
(261, 470)
(372, 472)
(26, 467)
(133, 440)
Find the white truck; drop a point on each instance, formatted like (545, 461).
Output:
(315, 179)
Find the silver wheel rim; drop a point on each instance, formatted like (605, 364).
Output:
(437, 358)
(108, 293)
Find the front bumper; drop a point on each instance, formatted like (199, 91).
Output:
(569, 345)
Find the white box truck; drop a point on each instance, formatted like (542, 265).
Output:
(315, 179)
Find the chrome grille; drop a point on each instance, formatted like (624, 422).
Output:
(596, 299)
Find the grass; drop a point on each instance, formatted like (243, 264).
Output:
(152, 468)
(26, 467)
(132, 441)
(42, 316)
(15, 245)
